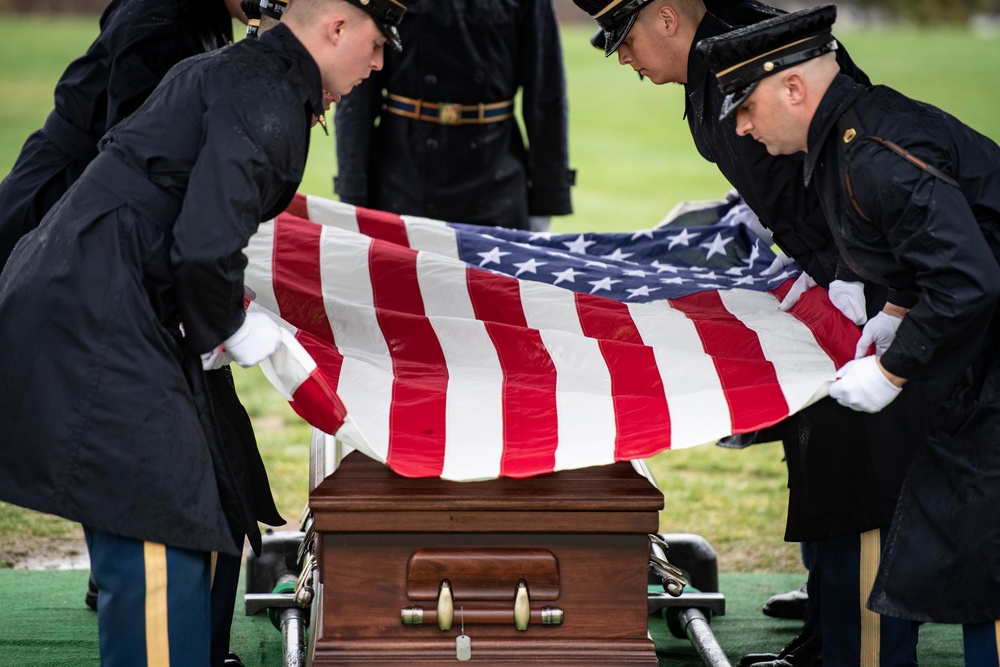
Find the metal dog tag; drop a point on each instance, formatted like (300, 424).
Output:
(463, 647)
(463, 643)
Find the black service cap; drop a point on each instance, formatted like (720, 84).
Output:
(387, 15)
(615, 17)
(741, 58)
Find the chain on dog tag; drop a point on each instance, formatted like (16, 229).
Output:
(463, 643)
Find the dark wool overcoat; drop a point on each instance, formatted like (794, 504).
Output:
(105, 416)
(913, 199)
(139, 41)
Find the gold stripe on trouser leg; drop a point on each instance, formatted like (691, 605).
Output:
(996, 636)
(214, 559)
(871, 639)
(157, 639)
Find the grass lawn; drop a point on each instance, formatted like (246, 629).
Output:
(635, 161)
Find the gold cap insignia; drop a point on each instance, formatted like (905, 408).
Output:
(768, 66)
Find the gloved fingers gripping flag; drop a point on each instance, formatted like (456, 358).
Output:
(467, 353)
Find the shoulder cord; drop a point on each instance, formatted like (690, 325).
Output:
(851, 128)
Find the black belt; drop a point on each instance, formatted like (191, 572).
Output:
(445, 113)
(155, 204)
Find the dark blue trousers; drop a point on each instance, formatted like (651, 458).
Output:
(982, 644)
(842, 573)
(155, 602)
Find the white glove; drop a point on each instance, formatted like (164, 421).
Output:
(781, 260)
(801, 285)
(880, 332)
(215, 359)
(256, 339)
(849, 298)
(861, 385)
(539, 223)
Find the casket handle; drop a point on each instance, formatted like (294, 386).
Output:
(488, 614)
(522, 606)
(445, 606)
(522, 614)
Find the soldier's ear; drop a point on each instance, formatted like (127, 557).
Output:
(335, 28)
(794, 87)
(667, 17)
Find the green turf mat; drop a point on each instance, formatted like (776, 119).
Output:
(44, 623)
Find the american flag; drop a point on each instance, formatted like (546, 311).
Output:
(468, 353)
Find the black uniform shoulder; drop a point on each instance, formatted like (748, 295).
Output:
(902, 134)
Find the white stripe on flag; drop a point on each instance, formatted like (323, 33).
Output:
(583, 385)
(365, 384)
(431, 236)
(799, 362)
(332, 213)
(475, 380)
(258, 274)
(699, 411)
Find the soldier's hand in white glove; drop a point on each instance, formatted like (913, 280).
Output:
(256, 339)
(880, 332)
(849, 298)
(862, 385)
(801, 285)
(539, 223)
(217, 358)
(781, 260)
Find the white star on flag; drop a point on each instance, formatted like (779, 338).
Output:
(492, 257)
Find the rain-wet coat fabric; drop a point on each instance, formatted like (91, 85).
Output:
(139, 41)
(463, 52)
(845, 468)
(104, 409)
(898, 222)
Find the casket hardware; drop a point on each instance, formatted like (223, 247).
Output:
(445, 606)
(522, 606)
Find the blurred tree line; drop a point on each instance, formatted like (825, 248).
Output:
(926, 12)
(934, 11)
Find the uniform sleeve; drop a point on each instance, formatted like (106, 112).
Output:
(251, 153)
(545, 111)
(934, 236)
(354, 126)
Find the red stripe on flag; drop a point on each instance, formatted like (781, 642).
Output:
(419, 392)
(295, 274)
(382, 225)
(748, 379)
(328, 360)
(299, 207)
(530, 416)
(315, 402)
(836, 335)
(641, 414)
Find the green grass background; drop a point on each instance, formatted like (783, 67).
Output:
(635, 160)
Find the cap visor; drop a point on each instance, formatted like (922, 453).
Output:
(733, 100)
(613, 38)
(391, 34)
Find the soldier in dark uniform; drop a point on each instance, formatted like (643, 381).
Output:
(434, 133)
(912, 197)
(844, 469)
(139, 41)
(107, 307)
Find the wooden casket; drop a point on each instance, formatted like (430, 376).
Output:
(548, 571)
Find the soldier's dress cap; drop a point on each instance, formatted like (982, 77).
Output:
(387, 15)
(742, 57)
(616, 18)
